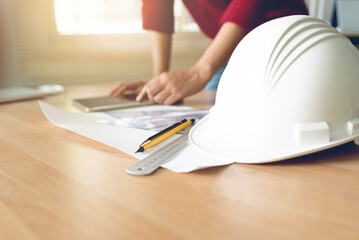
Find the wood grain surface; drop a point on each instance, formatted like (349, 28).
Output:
(55, 184)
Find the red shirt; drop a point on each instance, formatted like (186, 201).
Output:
(211, 14)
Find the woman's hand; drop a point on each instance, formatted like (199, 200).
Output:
(123, 87)
(166, 88)
(169, 87)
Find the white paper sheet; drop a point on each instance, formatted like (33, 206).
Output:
(126, 139)
(156, 117)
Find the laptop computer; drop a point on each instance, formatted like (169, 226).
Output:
(103, 103)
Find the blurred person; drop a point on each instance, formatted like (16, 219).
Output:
(226, 22)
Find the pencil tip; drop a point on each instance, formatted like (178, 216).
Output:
(141, 149)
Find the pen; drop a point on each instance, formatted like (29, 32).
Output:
(163, 131)
(164, 136)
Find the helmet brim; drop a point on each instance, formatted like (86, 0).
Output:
(247, 151)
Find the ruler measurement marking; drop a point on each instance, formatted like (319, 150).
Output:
(157, 159)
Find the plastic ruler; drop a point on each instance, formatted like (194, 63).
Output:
(152, 162)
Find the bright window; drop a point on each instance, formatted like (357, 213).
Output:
(79, 17)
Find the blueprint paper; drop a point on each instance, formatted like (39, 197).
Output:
(127, 139)
(156, 117)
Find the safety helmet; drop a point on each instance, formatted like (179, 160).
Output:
(291, 88)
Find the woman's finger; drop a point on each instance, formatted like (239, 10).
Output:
(118, 90)
(161, 96)
(142, 95)
(171, 99)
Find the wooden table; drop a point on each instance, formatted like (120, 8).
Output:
(55, 184)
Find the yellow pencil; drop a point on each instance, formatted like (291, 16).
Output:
(164, 136)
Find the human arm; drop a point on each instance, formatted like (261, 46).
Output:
(170, 87)
(161, 53)
(157, 16)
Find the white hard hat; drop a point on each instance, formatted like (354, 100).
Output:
(291, 88)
